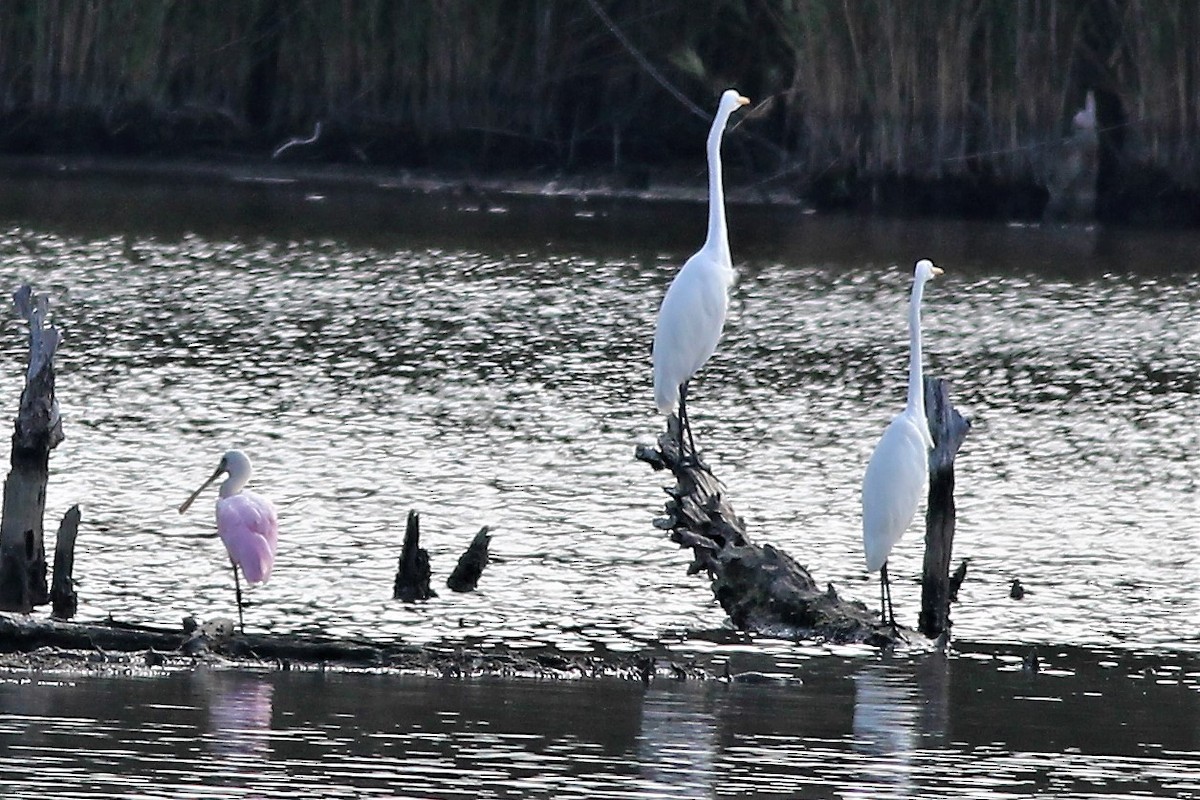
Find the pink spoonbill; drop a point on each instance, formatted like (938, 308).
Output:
(246, 523)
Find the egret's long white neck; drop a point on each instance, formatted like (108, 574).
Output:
(717, 230)
(916, 380)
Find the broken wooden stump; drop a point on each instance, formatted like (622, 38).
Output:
(761, 588)
(63, 601)
(413, 572)
(948, 429)
(38, 430)
(465, 576)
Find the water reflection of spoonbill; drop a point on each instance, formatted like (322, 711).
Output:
(246, 523)
(692, 314)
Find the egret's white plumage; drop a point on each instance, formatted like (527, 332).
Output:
(896, 474)
(247, 523)
(692, 314)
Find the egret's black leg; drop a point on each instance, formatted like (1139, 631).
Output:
(685, 423)
(885, 596)
(237, 585)
(882, 595)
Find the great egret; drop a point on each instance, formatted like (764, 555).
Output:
(246, 523)
(692, 314)
(896, 474)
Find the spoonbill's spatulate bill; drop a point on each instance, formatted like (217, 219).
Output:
(692, 314)
(896, 474)
(246, 523)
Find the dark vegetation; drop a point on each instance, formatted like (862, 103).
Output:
(921, 106)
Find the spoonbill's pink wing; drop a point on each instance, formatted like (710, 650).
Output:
(248, 526)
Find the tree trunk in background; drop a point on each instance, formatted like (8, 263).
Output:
(260, 86)
(38, 431)
(1099, 53)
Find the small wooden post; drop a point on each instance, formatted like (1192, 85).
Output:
(465, 576)
(63, 602)
(38, 431)
(949, 429)
(413, 572)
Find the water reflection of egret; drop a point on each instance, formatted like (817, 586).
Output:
(677, 745)
(886, 711)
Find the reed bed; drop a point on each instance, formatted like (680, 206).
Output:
(925, 89)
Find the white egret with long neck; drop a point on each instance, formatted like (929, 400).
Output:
(246, 523)
(692, 314)
(896, 474)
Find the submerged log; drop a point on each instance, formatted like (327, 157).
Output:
(413, 573)
(63, 602)
(948, 428)
(469, 568)
(38, 430)
(761, 588)
(26, 634)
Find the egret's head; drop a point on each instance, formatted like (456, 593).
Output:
(926, 270)
(731, 101)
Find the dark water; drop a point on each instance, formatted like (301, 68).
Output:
(375, 353)
(969, 726)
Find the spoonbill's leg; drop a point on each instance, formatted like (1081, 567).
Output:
(237, 585)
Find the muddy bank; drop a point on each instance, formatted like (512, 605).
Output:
(28, 645)
(472, 188)
(1139, 196)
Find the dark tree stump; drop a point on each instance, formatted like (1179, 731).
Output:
(949, 429)
(38, 430)
(63, 602)
(465, 576)
(413, 572)
(761, 588)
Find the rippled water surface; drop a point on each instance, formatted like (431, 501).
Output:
(376, 353)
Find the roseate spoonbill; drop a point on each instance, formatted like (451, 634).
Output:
(692, 314)
(246, 523)
(896, 474)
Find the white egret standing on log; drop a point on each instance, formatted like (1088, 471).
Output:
(246, 523)
(896, 474)
(692, 314)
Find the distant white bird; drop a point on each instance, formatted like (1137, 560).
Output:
(897, 472)
(246, 523)
(692, 314)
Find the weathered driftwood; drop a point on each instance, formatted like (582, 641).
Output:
(63, 602)
(413, 573)
(37, 431)
(28, 634)
(949, 429)
(761, 588)
(465, 576)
